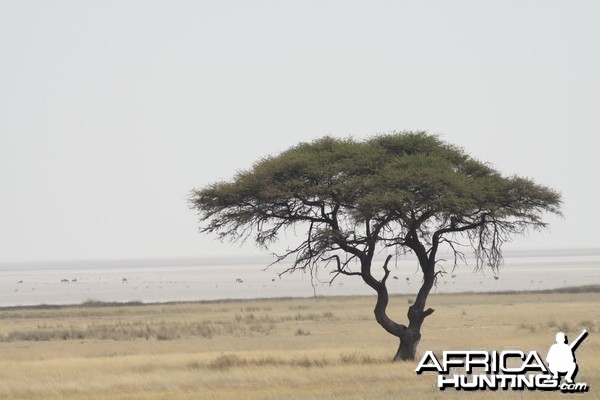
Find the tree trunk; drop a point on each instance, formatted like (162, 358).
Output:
(410, 335)
(408, 345)
(410, 338)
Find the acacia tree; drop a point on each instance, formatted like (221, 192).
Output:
(395, 193)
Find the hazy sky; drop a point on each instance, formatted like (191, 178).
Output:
(112, 111)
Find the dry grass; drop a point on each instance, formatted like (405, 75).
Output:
(272, 349)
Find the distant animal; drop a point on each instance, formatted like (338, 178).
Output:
(496, 277)
(74, 280)
(64, 281)
(124, 280)
(20, 282)
(239, 280)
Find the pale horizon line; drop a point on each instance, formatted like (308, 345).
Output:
(267, 258)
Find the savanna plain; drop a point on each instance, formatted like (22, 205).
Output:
(323, 348)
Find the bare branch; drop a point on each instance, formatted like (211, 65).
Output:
(340, 268)
(386, 270)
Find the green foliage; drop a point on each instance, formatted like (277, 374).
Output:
(394, 190)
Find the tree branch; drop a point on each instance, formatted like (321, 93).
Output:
(340, 267)
(386, 270)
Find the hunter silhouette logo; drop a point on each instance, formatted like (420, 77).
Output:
(509, 369)
(561, 357)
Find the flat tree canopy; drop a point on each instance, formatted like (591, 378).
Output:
(406, 192)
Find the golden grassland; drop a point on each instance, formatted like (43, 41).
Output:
(324, 348)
